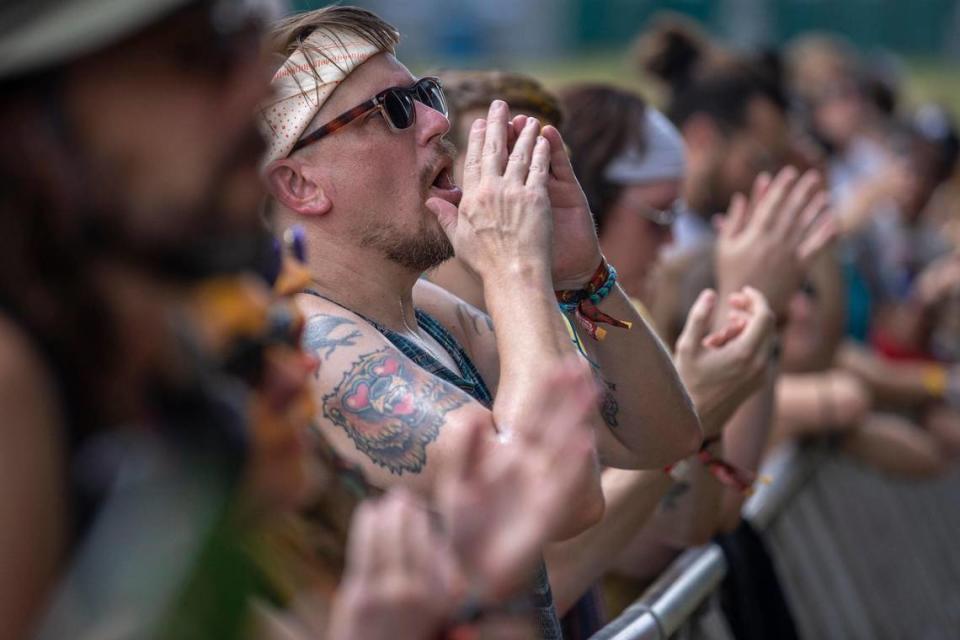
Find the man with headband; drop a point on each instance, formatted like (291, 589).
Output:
(358, 157)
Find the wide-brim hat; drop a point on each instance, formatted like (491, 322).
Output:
(38, 34)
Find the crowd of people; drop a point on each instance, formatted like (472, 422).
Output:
(297, 344)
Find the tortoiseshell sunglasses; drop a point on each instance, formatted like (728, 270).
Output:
(396, 104)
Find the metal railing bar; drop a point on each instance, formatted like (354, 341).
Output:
(670, 601)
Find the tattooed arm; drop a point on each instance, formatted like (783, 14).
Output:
(648, 412)
(398, 422)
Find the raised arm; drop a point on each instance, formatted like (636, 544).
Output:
(649, 417)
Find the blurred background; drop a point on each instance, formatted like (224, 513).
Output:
(562, 41)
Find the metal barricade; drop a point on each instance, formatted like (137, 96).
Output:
(670, 601)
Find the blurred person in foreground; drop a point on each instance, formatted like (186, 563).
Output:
(360, 159)
(611, 129)
(129, 218)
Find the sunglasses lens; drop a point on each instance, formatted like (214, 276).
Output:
(430, 94)
(399, 108)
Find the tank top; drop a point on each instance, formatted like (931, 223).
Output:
(469, 381)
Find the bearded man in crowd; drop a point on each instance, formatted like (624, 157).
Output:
(358, 156)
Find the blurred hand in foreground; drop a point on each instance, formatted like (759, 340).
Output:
(502, 504)
(400, 577)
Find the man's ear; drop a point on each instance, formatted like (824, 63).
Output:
(296, 188)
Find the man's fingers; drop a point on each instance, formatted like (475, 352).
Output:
(474, 153)
(559, 158)
(516, 128)
(419, 537)
(760, 185)
(733, 328)
(539, 171)
(816, 208)
(495, 142)
(395, 525)
(518, 166)
(736, 218)
(361, 555)
(698, 322)
(466, 459)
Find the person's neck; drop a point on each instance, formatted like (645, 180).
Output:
(364, 281)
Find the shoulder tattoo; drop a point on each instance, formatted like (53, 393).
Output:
(391, 410)
(318, 334)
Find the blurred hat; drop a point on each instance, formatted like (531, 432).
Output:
(35, 34)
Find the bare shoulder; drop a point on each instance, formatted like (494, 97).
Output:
(460, 317)
(472, 327)
(378, 408)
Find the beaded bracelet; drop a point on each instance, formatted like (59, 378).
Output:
(583, 302)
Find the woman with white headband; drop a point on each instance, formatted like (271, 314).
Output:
(630, 160)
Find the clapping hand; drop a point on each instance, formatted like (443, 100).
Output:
(768, 241)
(724, 367)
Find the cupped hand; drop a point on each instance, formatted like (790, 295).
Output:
(724, 367)
(768, 241)
(503, 220)
(575, 247)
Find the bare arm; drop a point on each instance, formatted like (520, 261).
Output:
(744, 441)
(576, 564)
(650, 419)
(898, 383)
(650, 415)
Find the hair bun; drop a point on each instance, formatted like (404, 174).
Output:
(672, 49)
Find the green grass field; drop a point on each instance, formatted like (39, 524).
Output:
(926, 80)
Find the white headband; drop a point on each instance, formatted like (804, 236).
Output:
(301, 86)
(663, 156)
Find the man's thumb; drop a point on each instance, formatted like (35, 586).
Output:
(446, 215)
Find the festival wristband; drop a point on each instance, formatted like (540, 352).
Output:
(583, 302)
(935, 380)
(725, 473)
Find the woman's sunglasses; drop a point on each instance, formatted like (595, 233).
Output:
(397, 104)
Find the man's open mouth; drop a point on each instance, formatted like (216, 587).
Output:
(443, 186)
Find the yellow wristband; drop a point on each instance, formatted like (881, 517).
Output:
(935, 380)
